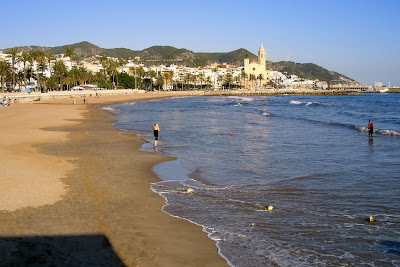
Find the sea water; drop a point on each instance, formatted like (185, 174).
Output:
(310, 157)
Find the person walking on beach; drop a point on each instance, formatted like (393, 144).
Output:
(370, 128)
(156, 128)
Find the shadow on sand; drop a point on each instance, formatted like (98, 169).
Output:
(64, 250)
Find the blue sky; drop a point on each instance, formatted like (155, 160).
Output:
(358, 38)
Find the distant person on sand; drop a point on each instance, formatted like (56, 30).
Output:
(84, 101)
(156, 128)
(370, 128)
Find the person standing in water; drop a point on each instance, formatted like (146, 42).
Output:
(156, 129)
(370, 128)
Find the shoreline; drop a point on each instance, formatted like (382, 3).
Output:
(68, 96)
(110, 206)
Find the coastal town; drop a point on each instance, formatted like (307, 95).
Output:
(37, 71)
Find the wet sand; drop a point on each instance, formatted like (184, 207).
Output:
(75, 191)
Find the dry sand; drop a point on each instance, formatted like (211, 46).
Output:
(74, 191)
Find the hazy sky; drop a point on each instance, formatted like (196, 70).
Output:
(357, 38)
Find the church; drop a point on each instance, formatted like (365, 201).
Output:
(257, 75)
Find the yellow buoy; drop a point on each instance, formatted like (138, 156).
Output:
(371, 219)
(270, 207)
(189, 190)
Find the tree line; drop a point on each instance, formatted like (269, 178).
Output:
(63, 79)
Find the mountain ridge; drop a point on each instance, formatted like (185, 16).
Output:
(158, 54)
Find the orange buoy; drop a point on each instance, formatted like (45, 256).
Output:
(230, 133)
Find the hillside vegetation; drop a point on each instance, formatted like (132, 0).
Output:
(167, 55)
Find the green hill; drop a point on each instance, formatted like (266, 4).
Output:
(167, 55)
(306, 70)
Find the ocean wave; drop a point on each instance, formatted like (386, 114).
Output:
(307, 103)
(377, 131)
(387, 132)
(360, 128)
(111, 109)
(242, 98)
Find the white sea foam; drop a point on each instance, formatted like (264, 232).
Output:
(378, 131)
(211, 233)
(242, 98)
(308, 103)
(109, 109)
(266, 114)
(387, 132)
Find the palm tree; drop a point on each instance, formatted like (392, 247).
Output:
(49, 58)
(104, 63)
(252, 78)
(221, 79)
(208, 81)
(68, 80)
(60, 70)
(228, 79)
(121, 64)
(260, 77)
(29, 74)
(171, 76)
(237, 80)
(202, 78)
(187, 78)
(244, 76)
(5, 69)
(31, 59)
(41, 66)
(166, 77)
(141, 73)
(88, 76)
(19, 78)
(52, 83)
(14, 59)
(194, 79)
(152, 75)
(24, 58)
(73, 76)
(69, 52)
(160, 81)
(85, 76)
(112, 69)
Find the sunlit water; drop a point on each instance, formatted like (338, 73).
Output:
(308, 156)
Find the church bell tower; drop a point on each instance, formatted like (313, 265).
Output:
(261, 55)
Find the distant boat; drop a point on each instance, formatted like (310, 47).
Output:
(385, 90)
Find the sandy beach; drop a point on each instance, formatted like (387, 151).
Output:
(75, 191)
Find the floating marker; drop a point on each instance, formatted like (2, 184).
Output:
(189, 190)
(230, 133)
(270, 207)
(371, 219)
